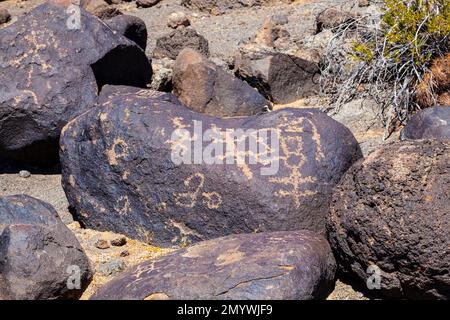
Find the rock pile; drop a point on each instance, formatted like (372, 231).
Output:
(51, 72)
(265, 204)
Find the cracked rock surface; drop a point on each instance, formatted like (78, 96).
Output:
(278, 265)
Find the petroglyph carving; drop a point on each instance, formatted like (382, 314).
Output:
(189, 199)
(292, 144)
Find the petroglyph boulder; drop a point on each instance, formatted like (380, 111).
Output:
(40, 258)
(431, 123)
(130, 166)
(280, 265)
(52, 66)
(204, 87)
(390, 219)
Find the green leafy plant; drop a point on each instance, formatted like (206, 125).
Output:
(392, 54)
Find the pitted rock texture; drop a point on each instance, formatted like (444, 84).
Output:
(280, 265)
(51, 73)
(126, 169)
(390, 212)
(130, 27)
(204, 87)
(431, 123)
(38, 253)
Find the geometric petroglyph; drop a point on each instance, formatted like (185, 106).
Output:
(194, 184)
(294, 157)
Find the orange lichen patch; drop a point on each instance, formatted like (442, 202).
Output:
(434, 87)
(157, 296)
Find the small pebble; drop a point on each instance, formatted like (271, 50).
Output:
(101, 244)
(112, 267)
(363, 3)
(177, 19)
(119, 241)
(24, 174)
(125, 253)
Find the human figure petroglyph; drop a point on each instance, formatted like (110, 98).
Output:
(293, 157)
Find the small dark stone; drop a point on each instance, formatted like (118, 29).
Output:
(101, 244)
(279, 77)
(119, 241)
(112, 267)
(125, 253)
(147, 3)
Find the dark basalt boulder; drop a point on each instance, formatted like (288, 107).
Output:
(147, 3)
(204, 87)
(281, 78)
(39, 255)
(130, 166)
(390, 219)
(5, 16)
(295, 265)
(171, 44)
(130, 27)
(430, 123)
(52, 71)
(332, 18)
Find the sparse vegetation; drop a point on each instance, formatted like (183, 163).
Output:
(391, 55)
